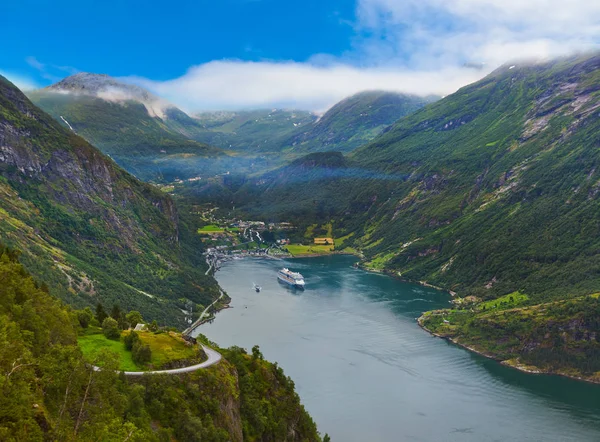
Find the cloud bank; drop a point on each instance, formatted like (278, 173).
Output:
(237, 84)
(413, 46)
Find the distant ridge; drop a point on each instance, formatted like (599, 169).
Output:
(144, 133)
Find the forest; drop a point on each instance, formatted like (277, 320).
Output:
(49, 391)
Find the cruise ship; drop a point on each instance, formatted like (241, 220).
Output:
(291, 278)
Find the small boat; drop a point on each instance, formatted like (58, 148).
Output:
(294, 279)
(257, 288)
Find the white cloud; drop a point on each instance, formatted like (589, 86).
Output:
(490, 31)
(155, 106)
(237, 84)
(416, 46)
(50, 72)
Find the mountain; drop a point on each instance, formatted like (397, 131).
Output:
(500, 187)
(90, 230)
(252, 130)
(355, 121)
(350, 123)
(492, 190)
(142, 132)
(50, 392)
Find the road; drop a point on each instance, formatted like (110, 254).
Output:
(198, 321)
(213, 358)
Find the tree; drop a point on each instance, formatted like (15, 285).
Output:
(101, 314)
(256, 354)
(134, 317)
(115, 312)
(153, 326)
(141, 353)
(110, 328)
(130, 340)
(85, 317)
(326, 438)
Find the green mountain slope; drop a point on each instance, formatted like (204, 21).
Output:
(559, 337)
(492, 190)
(51, 393)
(354, 121)
(500, 189)
(143, 133)
(90, 230)
(253, 130)
(350, 123)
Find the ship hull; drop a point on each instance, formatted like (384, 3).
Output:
(290, 283)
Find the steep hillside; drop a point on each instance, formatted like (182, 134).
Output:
(491, 191)
(560, 337)
(350, 123)
(253, 130)
(310, 188)
(142, 132)
(90, 230)
(51, 393)
(354, 121)
(500, 193)
(487, 191)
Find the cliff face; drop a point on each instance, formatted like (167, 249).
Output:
(102, 235)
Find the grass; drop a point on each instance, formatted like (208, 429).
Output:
(211, 228)
(507, 301)
(93, 341)
(379, 261)
(339, 241)
(165, 347)
(309, 231)
(302, 250)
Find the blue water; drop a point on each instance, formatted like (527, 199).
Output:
(365, 371)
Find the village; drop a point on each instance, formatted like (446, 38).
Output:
(228, 239)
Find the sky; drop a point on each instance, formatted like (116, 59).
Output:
(305, 54)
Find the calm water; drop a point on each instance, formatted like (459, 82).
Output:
(366, 372)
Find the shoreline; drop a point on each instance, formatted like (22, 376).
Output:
(521, 367)
(202, 320)
(317, 255)
(397, 276)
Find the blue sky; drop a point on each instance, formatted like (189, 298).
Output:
(161, 40)
(228, 54)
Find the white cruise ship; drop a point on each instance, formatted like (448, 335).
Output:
(294, 279)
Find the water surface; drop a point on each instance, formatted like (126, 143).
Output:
(365, 371)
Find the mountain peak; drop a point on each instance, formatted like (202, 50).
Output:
(105, 87)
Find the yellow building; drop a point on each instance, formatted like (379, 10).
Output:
(324, 241)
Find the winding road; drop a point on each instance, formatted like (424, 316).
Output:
(213, 358)
(198, 322)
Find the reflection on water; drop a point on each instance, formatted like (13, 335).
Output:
(366, 371)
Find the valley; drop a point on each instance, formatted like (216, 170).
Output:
(464, 194)
(421, 200)
(263, 221)
(459, 193)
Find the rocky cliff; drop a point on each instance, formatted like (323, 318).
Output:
(94, 231)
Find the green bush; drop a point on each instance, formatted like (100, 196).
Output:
(85, 317)
(141, 353)
(111, 329)
(134, 317)
(130, 340)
